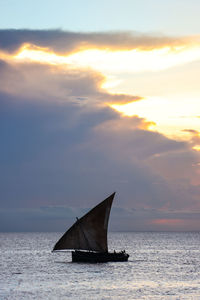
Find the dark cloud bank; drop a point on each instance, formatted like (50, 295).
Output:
(66, 41)
(63, 150)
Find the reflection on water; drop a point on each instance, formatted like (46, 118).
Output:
(161, 266)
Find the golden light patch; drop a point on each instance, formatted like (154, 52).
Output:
(111, 62)
(196, 148)
(34, 53)
(111, 82)
(5, 56)
(135, 60)
(170, 116)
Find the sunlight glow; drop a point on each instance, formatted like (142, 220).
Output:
(170, 115)
(37, 54)
(134, 60)
(110, 62)
(197, 148)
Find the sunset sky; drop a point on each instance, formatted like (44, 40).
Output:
(96, 97)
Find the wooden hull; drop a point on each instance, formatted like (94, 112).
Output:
(95, 257)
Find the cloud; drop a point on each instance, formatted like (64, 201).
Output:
(67, 155)
(192, 131)
(53, 83)
(58, 154)
(65, 42)
(63, 146)
(195, 136)
(134, 132)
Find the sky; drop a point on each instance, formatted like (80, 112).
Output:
(97, 97)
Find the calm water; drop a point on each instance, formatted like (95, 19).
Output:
(161, 266)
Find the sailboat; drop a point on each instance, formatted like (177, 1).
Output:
(87, 237)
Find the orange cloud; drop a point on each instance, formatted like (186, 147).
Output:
(168, 222)
(124, 124)
(185, 224)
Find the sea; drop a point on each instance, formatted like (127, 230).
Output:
(162, 265)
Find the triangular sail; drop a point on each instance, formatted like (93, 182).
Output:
(90, 231)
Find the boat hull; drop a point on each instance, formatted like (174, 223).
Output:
(98, 257)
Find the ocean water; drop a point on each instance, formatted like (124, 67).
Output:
(161, 266)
